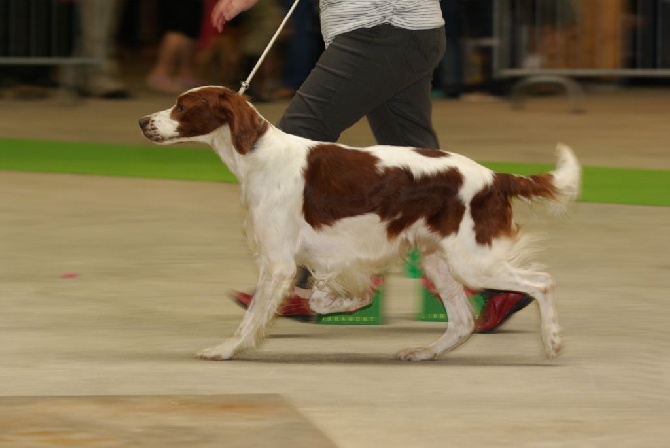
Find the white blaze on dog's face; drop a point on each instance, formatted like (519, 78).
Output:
(160, 127)
(200, 112)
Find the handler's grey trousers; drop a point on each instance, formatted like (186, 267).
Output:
(383, 73)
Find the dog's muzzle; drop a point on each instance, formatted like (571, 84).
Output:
(144, 123)
(149, 129)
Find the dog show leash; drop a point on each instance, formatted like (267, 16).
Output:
(245, 83)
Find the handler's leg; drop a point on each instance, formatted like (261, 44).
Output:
(358, 72)
(405, 118)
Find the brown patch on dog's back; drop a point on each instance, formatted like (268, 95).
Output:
(202, 111)
(433, 153)
(491, 208)
(492, 215)
(341, 183)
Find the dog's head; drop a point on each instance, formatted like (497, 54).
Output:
(200, 113)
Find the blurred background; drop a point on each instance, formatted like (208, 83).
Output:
(115, 48)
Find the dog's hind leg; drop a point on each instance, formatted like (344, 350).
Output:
(274, 285)
(538, 285)
(461, 322)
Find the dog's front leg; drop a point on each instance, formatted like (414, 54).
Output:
(461, 322)
(274, 284)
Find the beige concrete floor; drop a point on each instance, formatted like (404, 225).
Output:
(152, 261)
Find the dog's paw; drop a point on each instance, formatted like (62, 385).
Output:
(553, 341)
(416, 354)
(213, 354)
(221, 352)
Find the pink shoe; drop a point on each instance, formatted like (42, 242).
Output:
(163, 84)
(189, 83)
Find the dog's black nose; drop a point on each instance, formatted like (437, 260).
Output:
(144, 122)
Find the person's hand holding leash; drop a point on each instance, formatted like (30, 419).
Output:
(225, 10)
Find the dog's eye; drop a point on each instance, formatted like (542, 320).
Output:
(180, 107)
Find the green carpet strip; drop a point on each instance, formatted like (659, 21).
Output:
(103, 159)
(605, 185)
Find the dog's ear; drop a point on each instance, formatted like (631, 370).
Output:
(246, 124)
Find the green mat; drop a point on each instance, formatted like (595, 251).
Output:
(608, 185)
(152, 161)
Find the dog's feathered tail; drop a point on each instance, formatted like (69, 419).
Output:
(559, 187)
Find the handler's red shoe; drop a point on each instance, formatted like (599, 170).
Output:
(499, 306)
(296, 307)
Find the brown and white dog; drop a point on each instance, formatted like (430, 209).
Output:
(345, 213)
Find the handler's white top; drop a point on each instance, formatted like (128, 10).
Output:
(341, 16)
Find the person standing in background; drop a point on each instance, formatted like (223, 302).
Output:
(174, 69)
(98, 23)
